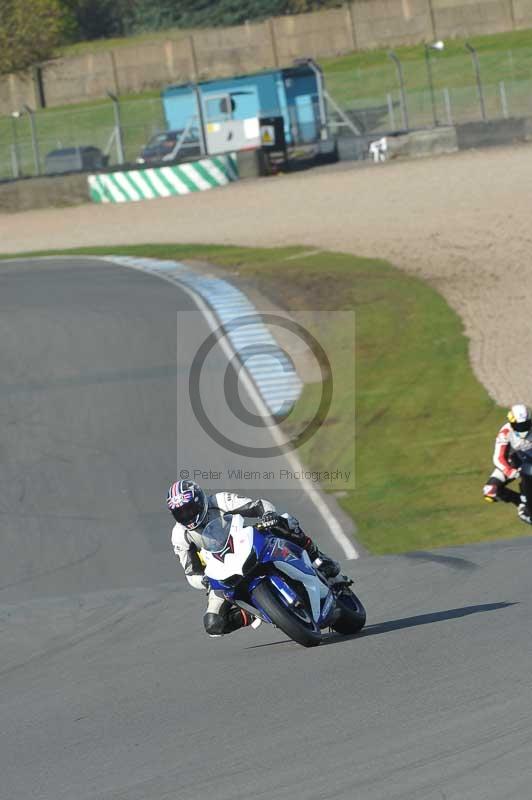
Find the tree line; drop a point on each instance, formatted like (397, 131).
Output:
(31, 31)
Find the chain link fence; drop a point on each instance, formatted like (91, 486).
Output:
(118, 129)
(429, 86)
(451, 106)
(380, 94)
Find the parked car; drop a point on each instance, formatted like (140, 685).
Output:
(74, 159)
(171, 145)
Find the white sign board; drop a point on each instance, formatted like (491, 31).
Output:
(228, 136)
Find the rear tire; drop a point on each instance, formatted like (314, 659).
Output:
(282, 617)
(353, 616)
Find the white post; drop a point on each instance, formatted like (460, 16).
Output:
(15, 162)
(504, 100)
(447, 103)
(120, 157)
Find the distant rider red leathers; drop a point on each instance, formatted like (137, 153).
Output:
(514, 438)
(192, 510)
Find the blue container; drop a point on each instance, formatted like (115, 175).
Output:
(291, 93)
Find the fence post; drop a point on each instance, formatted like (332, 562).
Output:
(390, 111)
(438, 46)
(476, 66)
(15, 154)
(201, 120)
(504, 100)
(118, 127)
(400, 78)
(447, 102)
(34, 140)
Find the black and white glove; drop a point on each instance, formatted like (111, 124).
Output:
(270, 519)
(206, 582)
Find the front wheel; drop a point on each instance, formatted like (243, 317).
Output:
(353, 614)
(302, 632)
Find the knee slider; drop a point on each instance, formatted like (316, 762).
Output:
(214, 624)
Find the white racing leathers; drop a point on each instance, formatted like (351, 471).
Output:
(506, 443)
(187, 543)
(220, 616)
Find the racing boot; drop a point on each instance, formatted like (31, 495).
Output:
(496, 490)
(323, 564)
(238, 618)
(524, 514)
(218, 625)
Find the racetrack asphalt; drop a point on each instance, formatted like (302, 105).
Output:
(110, 689)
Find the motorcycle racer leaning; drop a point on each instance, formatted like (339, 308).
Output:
(514, 437)
(192, 510)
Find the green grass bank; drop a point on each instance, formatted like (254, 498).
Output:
(424, 426)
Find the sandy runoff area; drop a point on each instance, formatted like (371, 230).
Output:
(463, 222)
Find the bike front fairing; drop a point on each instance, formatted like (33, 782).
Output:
(239, 557)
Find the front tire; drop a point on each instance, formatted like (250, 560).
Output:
(282, 617)
(353, 616)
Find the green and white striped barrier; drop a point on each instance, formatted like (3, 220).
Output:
(146, 183)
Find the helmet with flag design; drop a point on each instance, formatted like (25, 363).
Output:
(520, 419)
(188, 503)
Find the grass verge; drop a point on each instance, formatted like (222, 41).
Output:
(424, 425)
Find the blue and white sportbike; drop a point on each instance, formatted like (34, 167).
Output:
(272, 578)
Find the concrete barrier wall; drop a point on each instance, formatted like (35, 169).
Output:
(387, 23)
(203, 54)
(66, 190)
(492, 134)
(69, 80)
(140, 184)
(468, 18)
(233, 51)
(522, 14)
(322, 34)
(441, 140)
(154, 64)
(15, 92)
(423, 143)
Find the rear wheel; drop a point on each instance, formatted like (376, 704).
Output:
(302, 629)
(353, 616)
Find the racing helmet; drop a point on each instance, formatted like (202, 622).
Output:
(520, 419)
(187, 503)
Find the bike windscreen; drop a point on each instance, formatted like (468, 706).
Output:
(216, 533)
